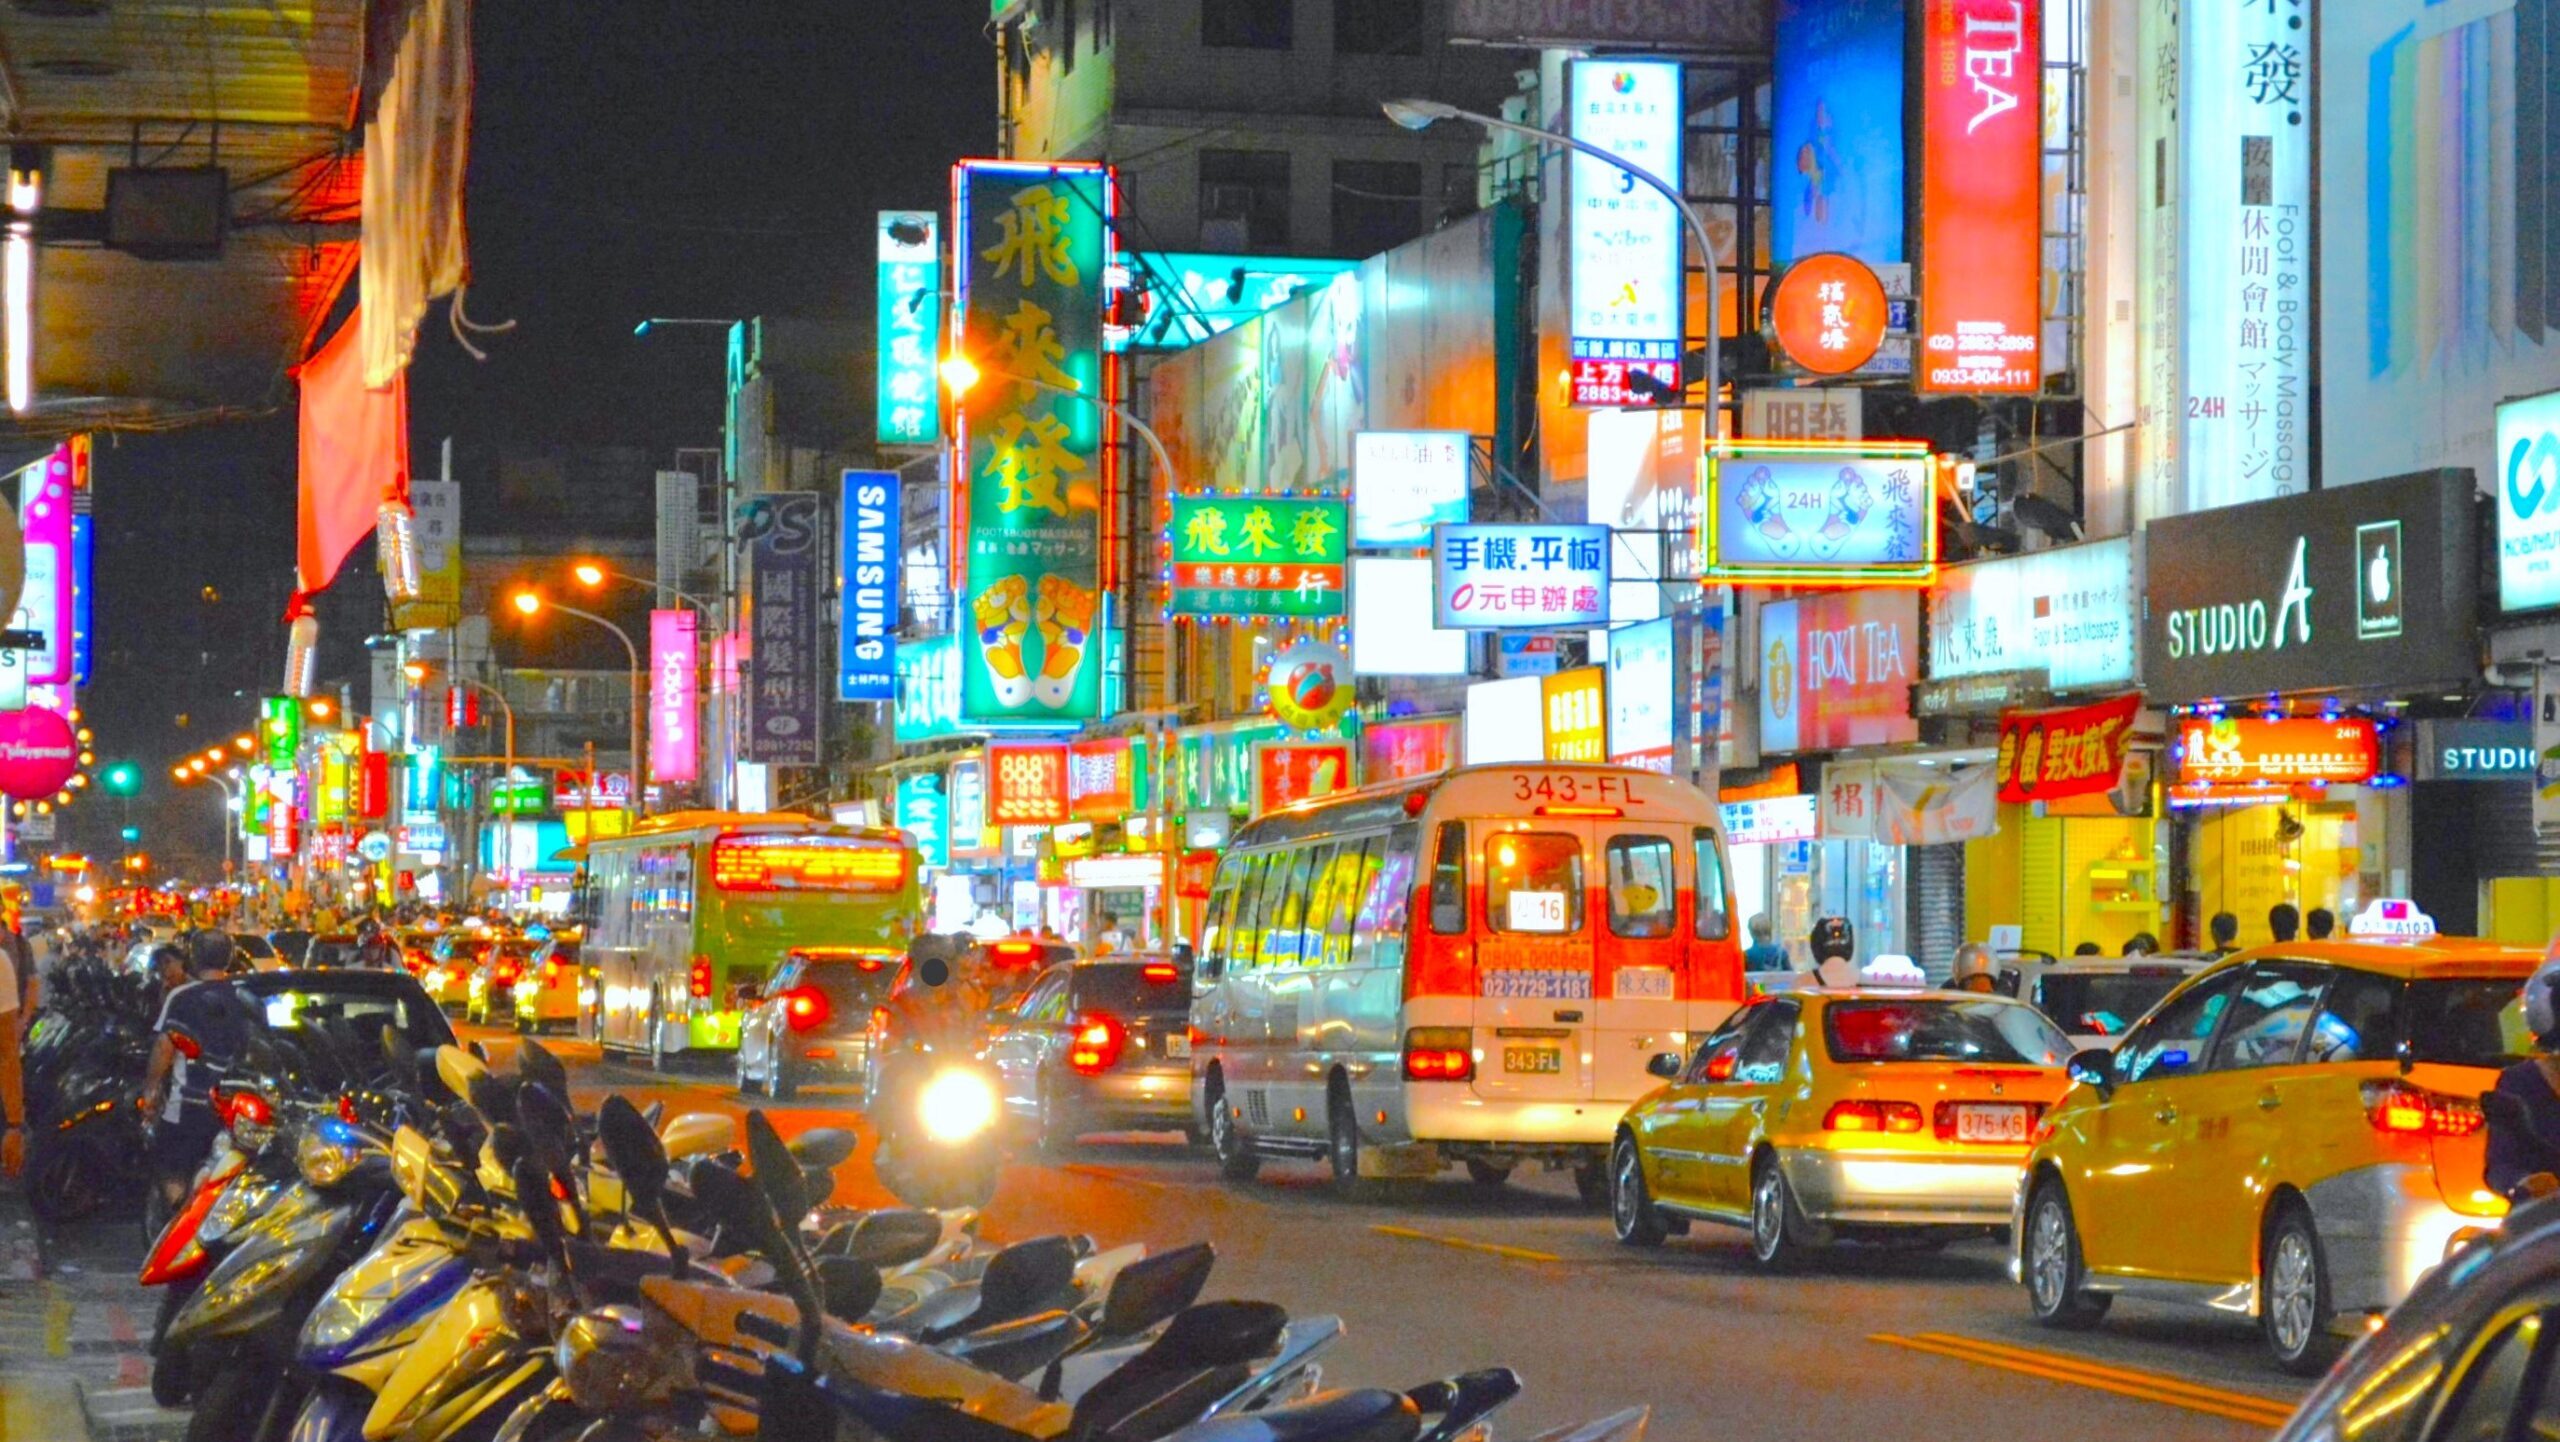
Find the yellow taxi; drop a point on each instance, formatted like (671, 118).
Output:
(2294, 1135)
(1823, 1115)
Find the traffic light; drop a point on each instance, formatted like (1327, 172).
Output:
(132, 834)
(121, 779)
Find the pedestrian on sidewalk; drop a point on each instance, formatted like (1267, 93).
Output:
(13, 1091)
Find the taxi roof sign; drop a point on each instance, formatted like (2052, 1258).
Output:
(2389, 917)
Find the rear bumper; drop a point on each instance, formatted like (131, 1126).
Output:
(842, 1055)
(1158, 1095)
(1449, 1112)
(1902, 1188)
(2381, 1228)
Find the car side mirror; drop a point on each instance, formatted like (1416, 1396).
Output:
(1665, 1064)
(2094, 1068)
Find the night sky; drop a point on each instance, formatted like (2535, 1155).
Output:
(688, 157)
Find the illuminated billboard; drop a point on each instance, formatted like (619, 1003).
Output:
(1981, 178)
(910, 302)
(1623, 238)
(1837, 125)
(1858, 514)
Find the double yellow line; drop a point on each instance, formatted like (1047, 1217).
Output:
(1491, 1249)
(2267, 1412)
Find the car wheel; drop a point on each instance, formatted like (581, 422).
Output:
(782, 1078)
(1058, 1124)
(1342, 1150)
(1777, 1228)
(2293, 1300)
(746, 1078)
(1631, 1213)
(1237, 1160)
(2056, 1277)
(1486, 1174)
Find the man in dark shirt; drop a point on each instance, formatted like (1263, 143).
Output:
(211, 1014)
(2225, 929)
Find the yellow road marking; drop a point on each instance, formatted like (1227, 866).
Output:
(57, 1322)
(1517, 1254)
(2080, 1372)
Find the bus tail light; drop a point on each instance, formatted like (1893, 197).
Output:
(698, 980)
(1599, 811)
(2396, 1106)
(1439, 1053)
(1873, 1116)
(805, 1008)
(1099, 1040)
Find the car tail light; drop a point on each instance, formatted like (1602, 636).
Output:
(186, 1046)
(1013, 952)
(1439, 1053)
(1902, 1118)
(698, 981)
(1160, 971)
(507, 972)
(2396, 1106)
(1099, 1040)
(879, 1021)
(805, 1008)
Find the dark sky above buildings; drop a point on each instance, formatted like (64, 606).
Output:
(647, 157)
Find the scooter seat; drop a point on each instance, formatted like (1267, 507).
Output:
(887, 1239)
(1018, 1349)
(1367, 1415)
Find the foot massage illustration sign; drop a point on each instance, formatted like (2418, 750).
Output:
(1859, 514)
(1030, 246)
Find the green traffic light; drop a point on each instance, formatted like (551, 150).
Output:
(133, 833)
(122, 779)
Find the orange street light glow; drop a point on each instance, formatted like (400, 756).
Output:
(321, 709)
(528, 603)
(960, 373)
(589, 574)
(415, 671)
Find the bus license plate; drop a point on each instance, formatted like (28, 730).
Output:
(1533, 1060)
(1991, 1124)
(1177, 1044)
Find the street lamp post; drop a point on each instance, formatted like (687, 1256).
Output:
(531, 605)
(1416, 114)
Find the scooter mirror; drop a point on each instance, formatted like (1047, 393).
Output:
(852, 1288)
(493, 1098)
(1152, 1289)
(824, 1148)
(635, 1153)
(456, 1067)
(535, 1063)
(735, 1201)
(777, 1171)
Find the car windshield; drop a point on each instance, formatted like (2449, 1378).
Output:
(2470, 1022)
(1132, 990)
(2104, 1003)
(291, 1002)
(1918, 1029)
(331, 951)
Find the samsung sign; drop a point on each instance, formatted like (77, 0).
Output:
(2529, 503)
(2360, 586)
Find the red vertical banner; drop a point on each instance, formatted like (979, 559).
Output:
(1981, 230)
(373, 787)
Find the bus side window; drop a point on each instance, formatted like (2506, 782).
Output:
(1449, 880)
(1377, 938)
(1642, 902)
(1354, 868)
(1713, 924)
(1252, 909)
(1284, 941)
(1213, 927)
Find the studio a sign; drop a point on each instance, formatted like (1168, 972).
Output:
(2365, 585)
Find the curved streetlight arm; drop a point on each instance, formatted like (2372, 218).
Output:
(660, 587)
(639, 703)
(1119, 412)
(1419, 114)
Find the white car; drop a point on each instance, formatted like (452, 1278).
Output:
(2098, 998)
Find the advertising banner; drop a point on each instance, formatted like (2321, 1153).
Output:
(2467, 749)
(1403, 483)
(1917, 806)
(2528, 477)
(867, 580)
(1623, 239)
(2078, 751)
(1506, 721)
(84, 586)
(1981, 176)
(1200, 295)
(1640, 695)
(1290, 771)
(782, 532)
(967, 788)
(928, 690)
(1577, 705)
(908, 404)
(1849, 800)
(1838, 124)
(1030, 246)
(1829, 314)
(675, 710)
(436, 521)
(44, 601)
(2369, 585)
(1490, 577)
(1836, 671)
(2277, 751)
(1406, 750)
(1238, 556)
(1771, 819)
(1391, 630)
(1859, 514)
(1834, 414)
(1026, 784)
(2066, 612)
(924, 813)
(1102, 780)
(280, 725)
(1702, 704)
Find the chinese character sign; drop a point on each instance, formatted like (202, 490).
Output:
(1026, 785)
(1256, 556)
(1577, 718)
(1829, 314)
(1488, 577)
(867, 578)
(781, 530)
(2244, 113)
(1849, 515)
(2281, 751)
(1405, 482)
(2067, 611)
(1981, 230)
(1029, 252)
(910, 411)
(674, 707)
(1101, 779)
(1623, 238)
(1292, 771)
(1836, 671)
(2048, 755)
(924, 813)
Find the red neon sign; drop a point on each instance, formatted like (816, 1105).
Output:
(1981, 236)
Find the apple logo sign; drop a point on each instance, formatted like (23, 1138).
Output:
(2378, 598)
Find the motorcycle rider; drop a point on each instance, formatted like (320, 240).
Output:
(2524, 1108)
(1974, 970)
(1835, 948)
(374, 947)
(208, 1011)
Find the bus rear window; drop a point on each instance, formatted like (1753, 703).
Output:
(806, 863)
(1533, 882)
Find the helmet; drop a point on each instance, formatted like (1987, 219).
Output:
(2542, 1001)
(1832, 938)
(1973, 962)
(368, 929)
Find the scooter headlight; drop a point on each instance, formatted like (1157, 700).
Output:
(248, 1195)
(611, 1363)
(325, 1159)
(956, 1106)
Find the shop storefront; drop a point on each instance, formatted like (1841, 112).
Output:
(2291, 637)
(2471, 818)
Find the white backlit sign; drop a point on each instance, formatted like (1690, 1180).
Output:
(1391, 630)
(2067, 611)
(1506, 721)
(1623, 238)
(1405, 482)
(2528, 480)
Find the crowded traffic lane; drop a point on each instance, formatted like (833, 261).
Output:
(1437, 1277)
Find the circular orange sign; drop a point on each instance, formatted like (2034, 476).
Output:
(1829, 313)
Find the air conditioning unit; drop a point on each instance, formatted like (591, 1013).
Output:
(170, 212)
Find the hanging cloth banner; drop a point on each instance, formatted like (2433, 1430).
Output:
(2077, 751)
(1929, 806)
(355, 455)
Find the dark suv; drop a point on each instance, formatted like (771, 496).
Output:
(812, 1020)
(1099, 1046)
